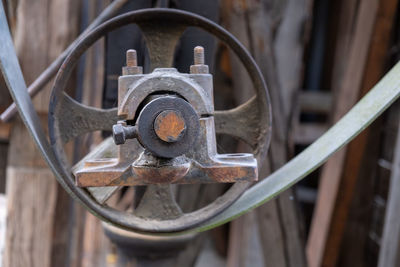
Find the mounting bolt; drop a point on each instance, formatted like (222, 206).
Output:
(199, 67)
(198, 55)
(131, 64)
(170, 126)
(121, 133)
(131, 58)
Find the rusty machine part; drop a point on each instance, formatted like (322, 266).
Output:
(175, 126)
(165, 127)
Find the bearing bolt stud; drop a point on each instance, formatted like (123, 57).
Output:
(131, 67)
(131, 58)
(199, 67)
(198, 55)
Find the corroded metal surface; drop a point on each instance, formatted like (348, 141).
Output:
(201, 165)
(182, 161)
(134, 89)
(148, 137)
(169, 126)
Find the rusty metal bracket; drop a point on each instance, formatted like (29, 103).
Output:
(174, 155)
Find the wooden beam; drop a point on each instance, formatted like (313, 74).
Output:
(5, 129)
(339, 176)
(37, 223)
(94, 248)
(278, 225)
(307, 133)
(346, 97)
(317, 102)
(389, 253)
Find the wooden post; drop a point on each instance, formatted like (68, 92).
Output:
(96, 247)
(365, 66)
(278, 228)
(389, 255)
(37, 232)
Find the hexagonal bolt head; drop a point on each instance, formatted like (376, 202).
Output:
(121, 133)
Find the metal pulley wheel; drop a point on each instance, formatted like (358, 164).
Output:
(356, 120)
(148, 105)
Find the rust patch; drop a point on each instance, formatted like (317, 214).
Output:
(169, 126)
(224, 174)
(161, 175)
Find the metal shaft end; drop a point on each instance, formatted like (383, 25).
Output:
(170, 126)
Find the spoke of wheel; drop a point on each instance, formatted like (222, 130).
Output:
(357, 119)
(75, 119)
(161, 40)
(158, 201)
(242, 122)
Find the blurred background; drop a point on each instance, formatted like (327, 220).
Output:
(318, 57)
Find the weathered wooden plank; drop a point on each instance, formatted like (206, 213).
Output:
(331, 172)
(245, 249)
(282, 86)
(96, 249)
(389, 255)
(288, 48)
(340, 174)
(252, 23)
(307, 133)
(318, 102)
(235, 19)
(30, 220)
(37, 221)
(363, 152)
(346, 97)
(5, 129)
(94, 246)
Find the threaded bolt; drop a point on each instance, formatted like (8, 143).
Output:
(198, 55)
(121, 133)
(131, 58)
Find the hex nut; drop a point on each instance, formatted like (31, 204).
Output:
(118, 134)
